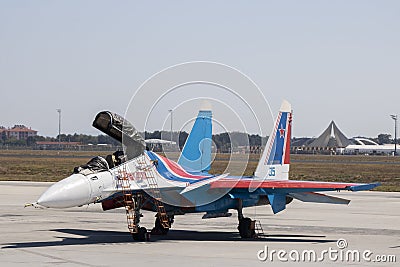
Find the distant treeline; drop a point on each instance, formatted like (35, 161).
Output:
(81, 138)
(222, 141)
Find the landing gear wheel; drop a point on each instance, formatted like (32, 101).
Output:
(141, 235)
(246, 228)
(159, 228)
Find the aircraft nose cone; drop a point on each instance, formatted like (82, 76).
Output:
(70, 192)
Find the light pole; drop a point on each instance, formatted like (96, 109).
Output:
(394, 117)
(59, 128)
(170, 111)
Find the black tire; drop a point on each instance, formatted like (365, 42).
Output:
(159, 228)
(140, 235)
(244, 228)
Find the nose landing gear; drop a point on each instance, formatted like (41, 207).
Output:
(141, 235)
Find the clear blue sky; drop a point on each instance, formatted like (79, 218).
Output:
(333, 60)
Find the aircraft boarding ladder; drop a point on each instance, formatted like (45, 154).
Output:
(145, 171)
(258, 229)
(132, 214)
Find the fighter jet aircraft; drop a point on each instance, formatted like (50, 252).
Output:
(149, 181)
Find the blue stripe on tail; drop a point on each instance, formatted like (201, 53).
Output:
(276, 156)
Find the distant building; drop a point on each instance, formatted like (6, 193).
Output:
(50, 145)
(328, 142)
(331, 137)
(3, 134)
(55, 145)
(19, 132)
(367, 147)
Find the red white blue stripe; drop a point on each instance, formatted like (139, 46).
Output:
(173, 171)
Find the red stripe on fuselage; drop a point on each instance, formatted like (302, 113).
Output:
(178, 170)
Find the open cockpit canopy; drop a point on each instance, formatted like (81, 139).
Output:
(121, 130)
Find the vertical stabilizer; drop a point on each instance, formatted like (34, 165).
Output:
(275, 160)
(196, 154)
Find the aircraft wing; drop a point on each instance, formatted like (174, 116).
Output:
(289, 186)
(277, 191)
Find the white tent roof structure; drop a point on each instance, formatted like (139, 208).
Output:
(324, 140)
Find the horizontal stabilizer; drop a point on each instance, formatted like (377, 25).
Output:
(318, 198)
(362, 187)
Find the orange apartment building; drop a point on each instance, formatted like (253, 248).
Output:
(19, 132)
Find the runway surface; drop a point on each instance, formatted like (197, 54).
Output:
(87, 236)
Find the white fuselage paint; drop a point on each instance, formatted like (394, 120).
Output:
(79, 189)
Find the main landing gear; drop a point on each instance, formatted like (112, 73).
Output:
(246, 226)
(159, 229)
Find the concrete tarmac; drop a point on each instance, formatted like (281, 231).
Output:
(87, 236)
